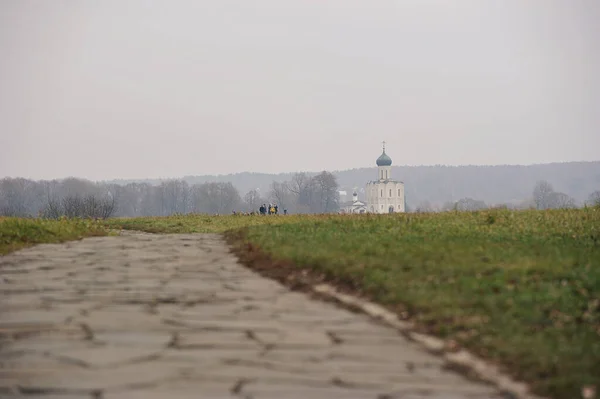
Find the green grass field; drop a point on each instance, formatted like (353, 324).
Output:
(519, 288)
(16, 233)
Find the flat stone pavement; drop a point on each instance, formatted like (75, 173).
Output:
(176, 316)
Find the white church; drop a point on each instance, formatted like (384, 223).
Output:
(384, 195)
(354, 206)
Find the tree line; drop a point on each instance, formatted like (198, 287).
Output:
(302, 193)
(74, 197)
(442, 185)
(543, 197)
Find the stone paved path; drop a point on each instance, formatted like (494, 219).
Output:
(175, 316)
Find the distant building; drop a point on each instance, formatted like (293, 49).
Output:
(354, 206)
(385, 195)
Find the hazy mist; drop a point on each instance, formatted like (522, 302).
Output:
(131, 89)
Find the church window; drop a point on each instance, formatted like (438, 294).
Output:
(398, 192)
(390, 192)
(381, 193)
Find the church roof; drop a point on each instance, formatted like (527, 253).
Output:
(384, 159)
(353, 203)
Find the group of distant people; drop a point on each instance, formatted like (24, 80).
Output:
(271, 209)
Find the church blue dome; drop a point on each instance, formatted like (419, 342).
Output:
(384, 160)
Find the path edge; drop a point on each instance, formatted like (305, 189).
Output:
(457, 359)
(460, 360)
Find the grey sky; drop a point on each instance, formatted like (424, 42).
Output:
(127, 88)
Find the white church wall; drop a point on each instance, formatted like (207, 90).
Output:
(385, 172)
(385, 194)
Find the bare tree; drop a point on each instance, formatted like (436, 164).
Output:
(15, 197)
(174, 197)
(72, 186)
(130, 199)
(279, 194)
(53, 209)
(327, 192)
(299, 182)
(560, 201)
(594, 199)
(469, 204)
(99, 208)
(108, 207)
(214, 198)
(150, 202)
(545, 197)
(253, 200)
(72, 206)
(542, 195)
(302, 189)
(76, 206)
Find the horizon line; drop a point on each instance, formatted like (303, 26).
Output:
(298, 171)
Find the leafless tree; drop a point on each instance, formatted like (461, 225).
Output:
(15, 197)
(174, 197)
(298, 183)
(542, 195)
(72, 186)
(545, 197)
(98, 208)
(72, 206)
(594, 199)
(560, 201)
(53, 209)
(301, 189)
(327, 192)
(130, 198)
(150, 202)
(469, 204)
(108, 206)
(214, 198)
(280, 194)
(77, 206)
(253, 200)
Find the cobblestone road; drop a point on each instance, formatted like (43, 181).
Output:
(175, 316)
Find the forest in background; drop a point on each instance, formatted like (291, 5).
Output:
(428, 188)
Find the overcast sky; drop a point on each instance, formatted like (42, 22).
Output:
(131, 89)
